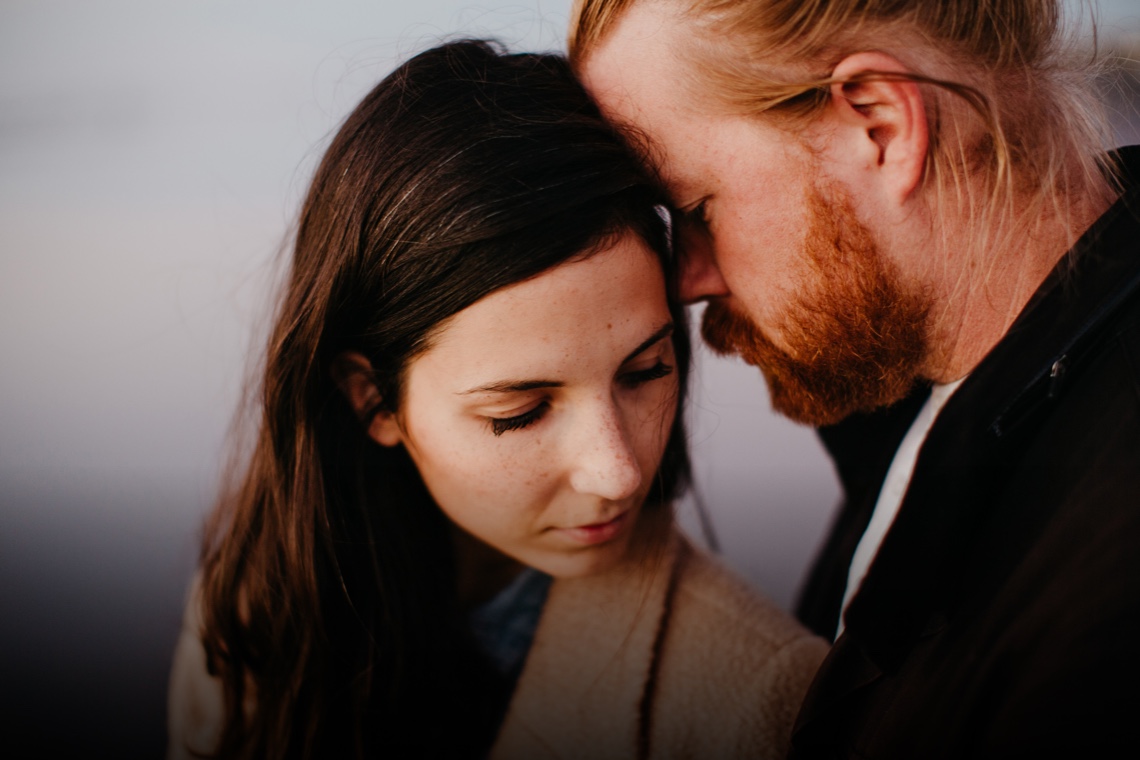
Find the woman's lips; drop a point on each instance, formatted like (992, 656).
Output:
(597, 533)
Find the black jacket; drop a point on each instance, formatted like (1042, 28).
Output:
(1001, 616)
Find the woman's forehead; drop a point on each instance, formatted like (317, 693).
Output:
(582, 313)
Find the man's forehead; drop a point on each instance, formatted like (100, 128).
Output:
(641, 142)
(635, 61)
(653, 154)
(637, 79)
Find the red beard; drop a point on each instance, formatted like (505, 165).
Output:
(855, 337)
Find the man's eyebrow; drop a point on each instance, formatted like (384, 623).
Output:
(515, 386)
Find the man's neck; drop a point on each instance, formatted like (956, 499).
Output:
(977, 300)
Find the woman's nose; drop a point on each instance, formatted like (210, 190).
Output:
(606, 462)
(700, 276)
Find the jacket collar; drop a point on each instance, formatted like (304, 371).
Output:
(905, 592)
(583, 686)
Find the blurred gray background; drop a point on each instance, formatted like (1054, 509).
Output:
(152, 156)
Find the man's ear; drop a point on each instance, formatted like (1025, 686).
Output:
(352, 373)
(885, 118)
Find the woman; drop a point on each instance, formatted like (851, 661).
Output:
(473, 386)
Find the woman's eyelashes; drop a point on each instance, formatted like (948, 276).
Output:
(500, 425)
(640, 377)
(632, 379)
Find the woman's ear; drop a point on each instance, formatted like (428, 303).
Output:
(352, 373)
(883, 120)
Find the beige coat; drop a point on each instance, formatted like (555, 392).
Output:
(680, 660)
(675, 658)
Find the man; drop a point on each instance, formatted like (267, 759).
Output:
(901, 212)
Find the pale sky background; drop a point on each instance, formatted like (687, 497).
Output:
(152, 156)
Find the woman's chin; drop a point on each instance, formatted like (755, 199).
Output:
(582, 561)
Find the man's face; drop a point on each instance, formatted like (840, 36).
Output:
(855, 338)
(795, 281)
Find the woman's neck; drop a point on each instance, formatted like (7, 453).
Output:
(481, 571)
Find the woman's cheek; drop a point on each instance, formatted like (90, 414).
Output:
(665, 409)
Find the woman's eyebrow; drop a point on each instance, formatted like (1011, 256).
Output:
(664, 332)
(515, 386)
(512, 386)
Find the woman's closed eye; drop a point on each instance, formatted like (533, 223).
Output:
(500, 425)
(630, 379)
(634, 378)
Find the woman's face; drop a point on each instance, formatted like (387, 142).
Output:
(539, 416)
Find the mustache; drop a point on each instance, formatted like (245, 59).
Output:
(796, 388)
(729, 333)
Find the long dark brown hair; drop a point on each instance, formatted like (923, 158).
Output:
(328, 581)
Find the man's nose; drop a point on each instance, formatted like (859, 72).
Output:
(700, 276)
(605, 463)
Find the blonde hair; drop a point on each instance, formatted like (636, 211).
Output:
(1017, 133)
